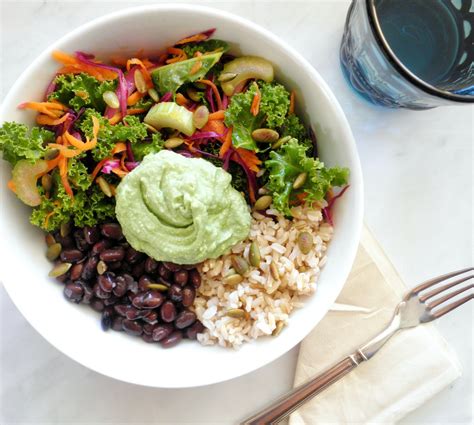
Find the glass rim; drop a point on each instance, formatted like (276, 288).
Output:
(401, 68)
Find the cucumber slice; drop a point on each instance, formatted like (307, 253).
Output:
(24, 176)
(170, 114)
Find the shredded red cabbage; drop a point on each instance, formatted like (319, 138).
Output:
(131, 165)
(210, 98)
(130, 156)
(187, 154)
(251, 178)
(225, 101)
(122, 85)
(203, 153)
(226, 159)
(166, 97)
(51, 87)
(327, 210)
(205, 135)
(207, 33)
(110, 165)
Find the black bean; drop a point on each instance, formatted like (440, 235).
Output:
(132, 327)
(79, 238)
(106, 281)
(175, 293)
(152, 318)
(132, 284)
(143, 282)
(172, 339)
(148, 328)
(196, 328)
(112, 254)
(162, 331)
(148, 300)
(195, 278)
(90, 268)
(171, 266)
(189, 293)
(120, 286)
(121, 309)
(138, 269)
(112, 300)
(164, 272)
(132, 313)
(88, 292)
(62, 278)
(100, 293)
(91, 234)
(67, 242)
(76, 271)
(117, 323)
(114, 265)
(132, 256)
(71, 255)
(97, 305)
(150, 265)
(74, 292)
(106, 319)
(101, 246)
(181, 277)
(168, 312)
(147, 338)
(112, 231)
(184, 319)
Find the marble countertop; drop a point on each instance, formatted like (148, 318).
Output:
(418, 195)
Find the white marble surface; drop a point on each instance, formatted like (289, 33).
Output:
(418, 169)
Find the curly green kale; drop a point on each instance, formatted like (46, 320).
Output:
(205, 46)
(17, 142)
(143, 148)
(81, 90)
(274, 103)
(288, 163)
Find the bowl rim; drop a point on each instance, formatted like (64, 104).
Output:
(298, 59)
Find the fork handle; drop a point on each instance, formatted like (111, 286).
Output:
(301, 394)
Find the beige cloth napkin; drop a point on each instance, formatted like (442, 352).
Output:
(413, 366)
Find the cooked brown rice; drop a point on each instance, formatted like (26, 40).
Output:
(266, 300)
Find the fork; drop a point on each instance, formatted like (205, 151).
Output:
(415, 308)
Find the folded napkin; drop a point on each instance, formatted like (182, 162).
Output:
(413, 366)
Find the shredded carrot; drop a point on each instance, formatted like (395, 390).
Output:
(250, 158)
(51, 164)
(146, 74)
(115, 118)
(63, 173)
(291, 109)
(119, 60)
(98, 167)
(11, 186)
(64, 58)
(135, 111)
(119, 147)
(53, 110)
(215, 91)
(135, 97)
(180, 55)
(65, 151)
(216, 126)
(218, 115)
(72, 65)
(181, 100)
(148, 63)
(46, 219)
(255, 107)
(227, 143)
(192, 39)
(122, 161)
(43, 119)
(195, 68)
(197, 54)
(89, 144)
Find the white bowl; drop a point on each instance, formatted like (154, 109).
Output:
(75, 330)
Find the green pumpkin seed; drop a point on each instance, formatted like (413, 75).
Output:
(150, 128)
(154, 95)
(104, 186)
(233, 279)
(59, 269)
(111, 99)
(193, 94)
(279, 326)
(300, 180)
(274, 271)
(305, 242)
(53, 251)
(174, 142)
(236, 313)
(47, 182)
(140, 82)
(101, 267)
(265, 135)
(263, 202)
(65, 229)
(51, 154)
(226, 76)
(49, 239)
(240, 264)
(280, 142)
(158, 286)
(200, 116)
(254, 254)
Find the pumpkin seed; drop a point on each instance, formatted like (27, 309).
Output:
(59, 269)
(200, 116)
(53, 251)
(150, 128)
(193, 94)
(263, 202)
(265, 135)
(274, 271)
(111, 99)
(140, 82)
(101, 267)
(233, 279)
(280, 142)
(158, 286)
(51, 154)
(240, 264)
(47, 182)
(305, 242)
(49, 239)
(104, 186)
(174, 142)
(65, 229)
(236, 313)
(279, 326)
(226, 76)
(254, 254)
(300, 180)
(154, 95)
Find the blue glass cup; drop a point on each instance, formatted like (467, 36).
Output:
(415, 54)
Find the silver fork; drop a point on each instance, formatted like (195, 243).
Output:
(410, 312)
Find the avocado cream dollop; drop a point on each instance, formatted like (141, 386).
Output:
(182, 210)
